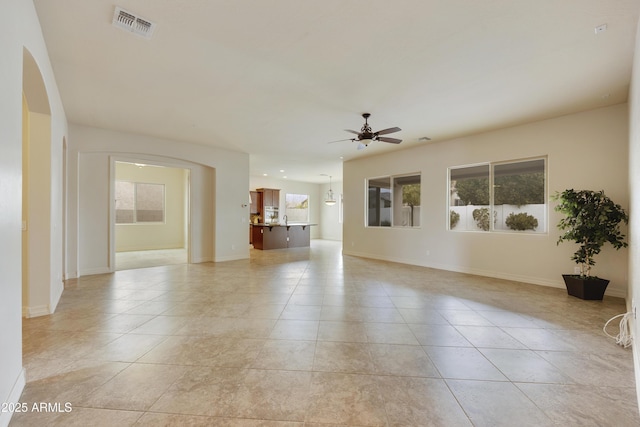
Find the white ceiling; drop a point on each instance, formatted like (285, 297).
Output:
(279, 79)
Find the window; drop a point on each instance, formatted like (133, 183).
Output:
(506, 196)
(406, 212)
(138, 202)
(296, 207)
(393, 201)
(379, 202)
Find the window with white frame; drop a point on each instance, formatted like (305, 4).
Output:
(504, 196)
(138, 202)
(394, 201)
(296, 207)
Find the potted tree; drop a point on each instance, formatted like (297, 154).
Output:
(591, 220)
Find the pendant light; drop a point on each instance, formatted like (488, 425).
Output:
(330, 200)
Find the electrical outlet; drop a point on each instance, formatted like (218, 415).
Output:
(576, 270)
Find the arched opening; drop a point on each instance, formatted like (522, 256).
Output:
(36, 191)
(63, 248)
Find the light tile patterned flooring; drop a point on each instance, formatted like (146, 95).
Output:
(310, 337)
(151, 258)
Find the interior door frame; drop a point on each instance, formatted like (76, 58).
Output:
(149, 160)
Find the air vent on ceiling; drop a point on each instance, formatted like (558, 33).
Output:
(133, 23)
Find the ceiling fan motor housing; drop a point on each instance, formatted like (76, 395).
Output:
(366, 132)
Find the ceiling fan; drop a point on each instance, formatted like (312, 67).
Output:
(366, 135)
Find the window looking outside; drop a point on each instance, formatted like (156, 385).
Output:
(406, 212)
(517, 202)
(296, 207)
(393, 201)
(138, 202)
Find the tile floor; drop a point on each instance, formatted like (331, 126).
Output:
(152, 258)
(310, 337)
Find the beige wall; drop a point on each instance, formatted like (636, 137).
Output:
(633, 298)
(585, 151)
(38, 217)
(20, 31)
(330, 225)
(167, 235)
(219, 180)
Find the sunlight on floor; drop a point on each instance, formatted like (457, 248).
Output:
(156, 258)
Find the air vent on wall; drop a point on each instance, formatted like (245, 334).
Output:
(132, 23)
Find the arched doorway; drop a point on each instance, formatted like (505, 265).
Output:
(36, 192)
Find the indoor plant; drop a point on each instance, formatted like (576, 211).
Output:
(591, 220)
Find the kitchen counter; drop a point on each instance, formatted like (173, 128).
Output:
(279, 236)
(293, 224)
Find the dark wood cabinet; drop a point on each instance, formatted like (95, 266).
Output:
(256, 202)
(267, 197)
(298, 236)
(279, 236)
(270, 197)
(270, 204)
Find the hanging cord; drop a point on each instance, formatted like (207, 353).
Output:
(624, 338)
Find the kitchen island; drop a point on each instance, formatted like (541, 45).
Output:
(280, 236)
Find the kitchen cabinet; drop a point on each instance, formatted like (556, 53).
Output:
(270, 204)
(299, 236)
(256, 203)
(270, 197)
(267, 197)
(272, 236)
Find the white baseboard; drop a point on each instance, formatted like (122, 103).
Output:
(36, 311)
(92, 271)
(14, 397)
(147, 248)
(611, 291)
(231, 258)
(201, 260)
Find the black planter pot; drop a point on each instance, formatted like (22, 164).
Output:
(590, 289)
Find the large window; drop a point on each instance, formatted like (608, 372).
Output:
(296, 207)
(138, 202)
(506, 196)
(393, 200)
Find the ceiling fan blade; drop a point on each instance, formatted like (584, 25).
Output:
(352, 131)
(386, 131)
(391, 140)
(341, 140)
